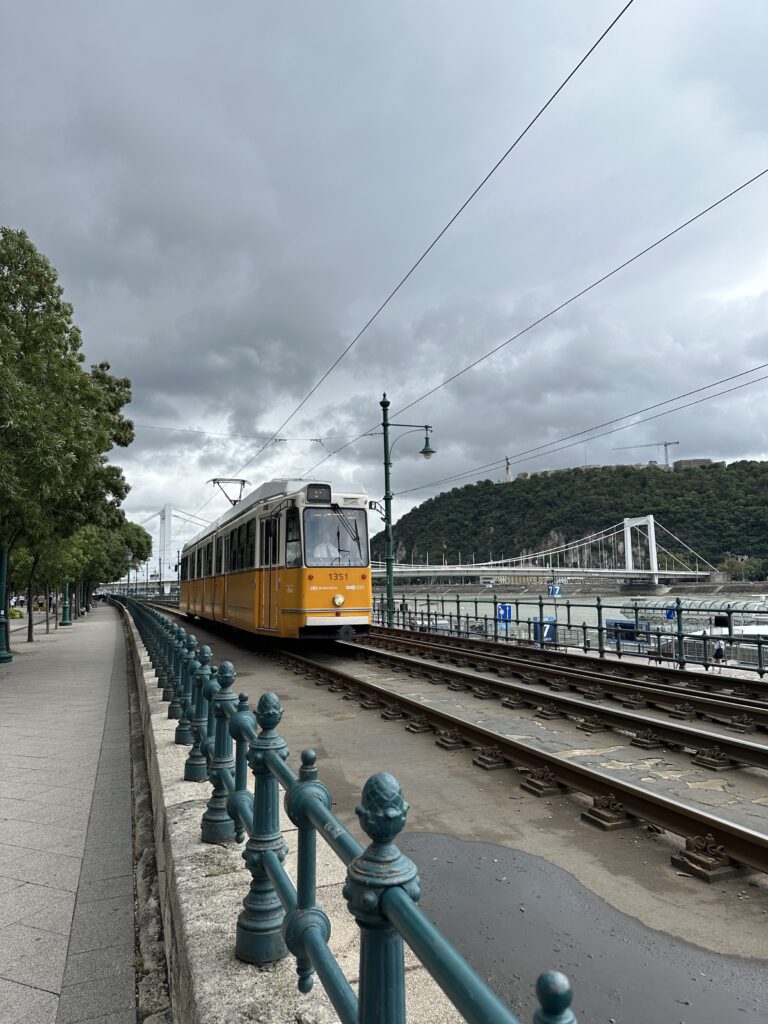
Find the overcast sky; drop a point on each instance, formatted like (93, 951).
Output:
(229, 191)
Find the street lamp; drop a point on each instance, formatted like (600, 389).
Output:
(427, 452)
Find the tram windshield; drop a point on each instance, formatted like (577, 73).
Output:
(335, 536)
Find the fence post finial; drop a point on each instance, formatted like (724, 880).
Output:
(553, 990)
(382, 814)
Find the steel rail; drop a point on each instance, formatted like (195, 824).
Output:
(742, 844)
(718, 707)
(608, 665)
(737, 750)
(598, 671)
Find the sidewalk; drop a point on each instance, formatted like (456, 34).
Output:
(66, 865)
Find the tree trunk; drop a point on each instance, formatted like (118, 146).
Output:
(47, 588)
(30, 601)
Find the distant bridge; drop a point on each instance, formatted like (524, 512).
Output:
(628, 550)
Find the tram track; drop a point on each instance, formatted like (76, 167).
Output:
(715, 846)
(608, 668)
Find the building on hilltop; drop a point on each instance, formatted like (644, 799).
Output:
(680, 464)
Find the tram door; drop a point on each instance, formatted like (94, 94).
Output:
(269, 560)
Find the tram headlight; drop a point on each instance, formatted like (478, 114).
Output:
(338, 600)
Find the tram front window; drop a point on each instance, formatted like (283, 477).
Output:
(335, 538)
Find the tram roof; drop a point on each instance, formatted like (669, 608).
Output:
(271, 489)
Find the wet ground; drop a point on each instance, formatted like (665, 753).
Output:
(642, 943)
(740, 795)
(513, 915)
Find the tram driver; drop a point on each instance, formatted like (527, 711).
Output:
(325, 550)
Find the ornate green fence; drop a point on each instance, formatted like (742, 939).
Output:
(382, 885)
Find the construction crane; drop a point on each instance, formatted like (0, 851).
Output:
(657, 444)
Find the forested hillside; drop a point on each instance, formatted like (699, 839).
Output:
(720, 512)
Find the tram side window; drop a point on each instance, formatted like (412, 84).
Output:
(184, 569)
(269, 541)
(240, 557)
(292, 538)
(232, 548)
(209, 559)
(198, 563)
(250, 544)
(218, 564)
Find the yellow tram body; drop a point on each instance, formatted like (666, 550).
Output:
(291, 560)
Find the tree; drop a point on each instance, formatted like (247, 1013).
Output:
(57, 420)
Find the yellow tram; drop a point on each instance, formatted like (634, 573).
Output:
(289, 560)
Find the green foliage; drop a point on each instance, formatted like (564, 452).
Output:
(717, 511)
(58, 420)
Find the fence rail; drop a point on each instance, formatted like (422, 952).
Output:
(382, 884)
(681, 641)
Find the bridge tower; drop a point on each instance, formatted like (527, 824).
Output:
(649, 523)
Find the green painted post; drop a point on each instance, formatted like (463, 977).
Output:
(183, 695)
(680, 634)
(175, 648)
(196, 765)
(600, 630)
(495, 618)
(760, 657)
(389, 556)
(259, 938)
(381, 866)
(217, 824)
(309, 791)
(65, 619)
(5, 654)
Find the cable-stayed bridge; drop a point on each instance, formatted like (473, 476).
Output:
(637, 548)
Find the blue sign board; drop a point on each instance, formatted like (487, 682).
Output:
(504, 612)
(544, 629)
(670, 613)
(554, 590)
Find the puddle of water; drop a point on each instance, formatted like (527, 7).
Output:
(513, 916)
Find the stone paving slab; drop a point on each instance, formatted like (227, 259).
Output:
(67, 939)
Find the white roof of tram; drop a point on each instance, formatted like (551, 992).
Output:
(271, 489)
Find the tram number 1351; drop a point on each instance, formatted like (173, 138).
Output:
(338, 576)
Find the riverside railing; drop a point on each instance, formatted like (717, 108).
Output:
(382, 885)
(689, 635)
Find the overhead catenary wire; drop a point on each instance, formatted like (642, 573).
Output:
(541, 448)
(248, 437)
(556, 309)
(516, 460)
(445, 227)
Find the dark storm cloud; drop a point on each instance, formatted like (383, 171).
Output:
(228, 195)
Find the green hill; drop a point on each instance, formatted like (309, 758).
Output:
(721, 512)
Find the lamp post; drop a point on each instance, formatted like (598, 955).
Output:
(427, 452)
(65, 617)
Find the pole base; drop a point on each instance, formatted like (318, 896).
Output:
(258, 942)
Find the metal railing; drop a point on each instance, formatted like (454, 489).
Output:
(382, 884)
(556, 625)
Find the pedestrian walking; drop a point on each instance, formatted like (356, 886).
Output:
(718, 656)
